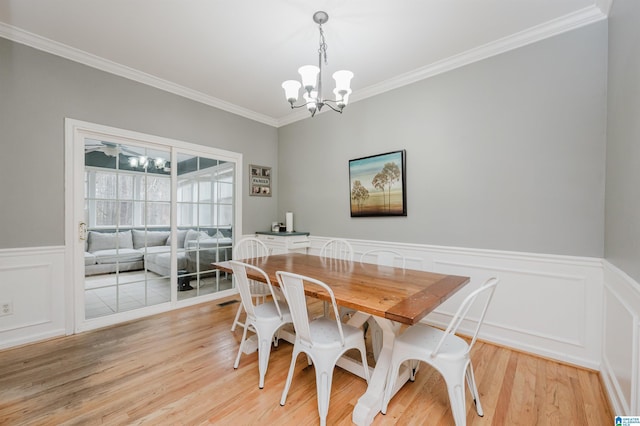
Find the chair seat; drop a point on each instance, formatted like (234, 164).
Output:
(325, 334)
(423, 339)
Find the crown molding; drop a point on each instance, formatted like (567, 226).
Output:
(548, 29)
(543, 31)
(41, 43)
(604, 6)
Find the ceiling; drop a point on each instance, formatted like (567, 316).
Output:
(234, 55)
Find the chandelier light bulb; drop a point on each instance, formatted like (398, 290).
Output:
(343, 79)
(342, 97)
(291, 90)
(309, 74)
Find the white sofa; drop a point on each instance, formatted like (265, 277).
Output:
(134, 249)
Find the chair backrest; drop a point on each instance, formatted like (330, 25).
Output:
(292, 286)
(486, 290)
(244, 286)
(337, 248)
(385, 257)
(250, 247)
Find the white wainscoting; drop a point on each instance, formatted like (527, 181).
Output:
(32, 280)
(621, 340)
(544, 304)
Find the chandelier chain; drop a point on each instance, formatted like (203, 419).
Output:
(323, 45)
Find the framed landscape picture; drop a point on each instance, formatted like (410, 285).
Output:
(259, 180)
(377, 185)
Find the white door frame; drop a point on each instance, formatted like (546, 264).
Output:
(75, 133)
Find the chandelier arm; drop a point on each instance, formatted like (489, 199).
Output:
(298, 106)
(332, 107)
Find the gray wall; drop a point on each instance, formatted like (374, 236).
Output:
(622, 242)
(507, 153)
(37, 92)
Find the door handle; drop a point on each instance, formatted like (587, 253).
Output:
(82, 229)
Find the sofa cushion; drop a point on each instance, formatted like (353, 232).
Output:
(151, 238)
(182, 234)
(160, 263)
(89, 259)
(115, 256)
(109, 240)
(193, 235)
(156, 249)
(208, 243)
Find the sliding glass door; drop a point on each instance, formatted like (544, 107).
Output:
(205, 220)
(155, 218)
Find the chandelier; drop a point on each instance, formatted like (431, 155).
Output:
(312, 80)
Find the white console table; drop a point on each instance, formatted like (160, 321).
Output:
(285, 242)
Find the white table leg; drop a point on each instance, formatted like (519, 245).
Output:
(370, 403)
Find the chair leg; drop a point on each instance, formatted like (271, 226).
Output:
(264, 350)
(455, 388)
(413, 365)
(235, 320)
(244, 337)
(287, 385)
(324, 378)
(471, 381)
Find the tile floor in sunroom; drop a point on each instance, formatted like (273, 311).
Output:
(136, 290)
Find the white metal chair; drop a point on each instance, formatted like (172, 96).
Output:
(247, 248)
(324, 340)
(384, 257)
(337, 248)
(264, 319)
(446, 352)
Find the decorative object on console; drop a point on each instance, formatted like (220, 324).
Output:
(312, 80)
(259, 180)
(378, 185)
(289, 221)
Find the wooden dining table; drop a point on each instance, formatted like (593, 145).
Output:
(392, 296)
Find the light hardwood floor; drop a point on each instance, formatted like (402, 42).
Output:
(177, 368)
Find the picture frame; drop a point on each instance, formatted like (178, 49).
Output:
(377, 185)
(259, 181)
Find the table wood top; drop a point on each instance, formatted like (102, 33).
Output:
(402, 295)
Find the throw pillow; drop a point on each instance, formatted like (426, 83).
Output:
(152, 238)
(109, 240)
(182, 235)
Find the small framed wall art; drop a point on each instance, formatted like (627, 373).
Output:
(378, 185)
(259, 181)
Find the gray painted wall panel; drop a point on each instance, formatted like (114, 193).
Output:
(507, 153)
(622, 243)
(38, 90)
